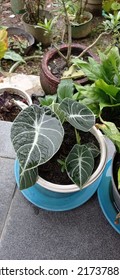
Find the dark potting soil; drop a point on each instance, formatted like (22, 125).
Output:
(112, 115)
(116, 167)
(58, 65)
(51, 171)
(8, 110)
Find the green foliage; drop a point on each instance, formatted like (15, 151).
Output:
(111, 6)
(47, 25)
(105, 89)
(37, 134)
(112, 24)
(13, 56)
(65, 89)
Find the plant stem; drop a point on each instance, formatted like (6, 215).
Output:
(68, 24)
(90, 46)
(15, 65)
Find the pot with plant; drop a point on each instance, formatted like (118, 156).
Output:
(80, 19)
(19, 40)
(58, 64)
(58, 139)
(12, 99)
(55, 66)
(38, 21)
(110, 199)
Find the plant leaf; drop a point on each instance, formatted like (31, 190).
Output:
(3, 42)
(78, 115)
(60, 114)
(111, 131)
(93, 149)
(36, 135)
(79, 164)
(27, 178)
(111, 90)
(13, 56)
(65, 89)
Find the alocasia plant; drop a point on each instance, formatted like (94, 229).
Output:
(38, 132)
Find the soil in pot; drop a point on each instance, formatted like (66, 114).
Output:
(57, 66)
(18, 43)
(8, 109)
(111, 115)
(51, 171)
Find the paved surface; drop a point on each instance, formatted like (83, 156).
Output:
(27, 232)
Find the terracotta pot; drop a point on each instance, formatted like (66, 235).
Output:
(116, 193)
(37, 32)
(49, 82)
(84, 29)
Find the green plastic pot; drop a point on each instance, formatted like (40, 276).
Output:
(37, 32)
(82, 30)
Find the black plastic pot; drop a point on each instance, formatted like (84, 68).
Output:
(12, 31)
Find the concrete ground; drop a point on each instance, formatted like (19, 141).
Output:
(31, 233)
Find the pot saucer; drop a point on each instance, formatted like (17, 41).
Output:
(54, 201)
(105, 198)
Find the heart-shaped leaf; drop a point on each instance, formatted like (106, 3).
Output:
(79, 164)
(78, 115)
(36, 135)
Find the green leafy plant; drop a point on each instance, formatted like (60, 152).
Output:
(47, 25)
(38, 132)
(105, 75)
(112, 23)
(111, 6)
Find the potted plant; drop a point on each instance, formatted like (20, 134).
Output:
(112, 132)
(80, 19)
(52, 68)
(12, 99)
(19, 40)
(45, 128)
(38, 21)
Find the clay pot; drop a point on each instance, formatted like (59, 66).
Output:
(49, 82)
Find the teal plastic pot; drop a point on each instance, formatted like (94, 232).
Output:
(56, 197)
